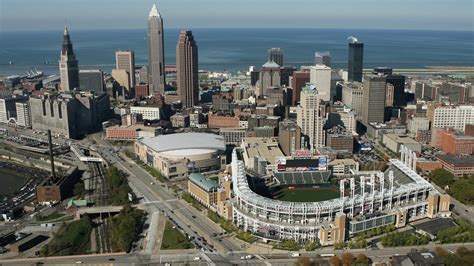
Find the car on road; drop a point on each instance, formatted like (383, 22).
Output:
(196, 258)
(248, 256)
(79, 262)
(152, 183)
(295, 254)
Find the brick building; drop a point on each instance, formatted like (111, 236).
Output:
(454, 143)
(457, 165)
(142, 90)
(219, 121)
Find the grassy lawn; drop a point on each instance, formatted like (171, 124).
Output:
(174, 239)
(189, 199)
(307, 195)
(52, 216)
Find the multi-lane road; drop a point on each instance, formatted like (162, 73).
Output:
(160, 202)
(158, 198)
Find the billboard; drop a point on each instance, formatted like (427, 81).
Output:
(365, 146)
(301, 154)
(280, 162)
(323, 163)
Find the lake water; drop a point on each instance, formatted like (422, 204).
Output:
(236, 49)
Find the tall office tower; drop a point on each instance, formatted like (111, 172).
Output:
(308, 117)
(8, 109)
(456, 117)
(23, 114)
(187, 69)
(289, 136)
(298, 81)
(143, 75)
(126, 60)
(352, 96)
(389, 98)
(398, 84)
(156, 52)
(322, 58)
(276, 54)
(270, 76)
(373, 99)
(68, 66)
(320, 76)
(356, 59)
(92, 79)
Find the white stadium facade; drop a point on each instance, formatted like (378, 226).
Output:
(177, 154)
(367, 200)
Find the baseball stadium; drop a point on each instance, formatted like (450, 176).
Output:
(300, 203)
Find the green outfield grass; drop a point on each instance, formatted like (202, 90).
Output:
(298, 195)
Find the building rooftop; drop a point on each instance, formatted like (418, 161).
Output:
(29, 238)
(432, 227)
(185, 141)
(266, 148)
(342, 162)
(203, 182)
(417, 258)
(320, 67)
(136, 127)
(457, 160)
(401, 138)
(270, 64)
(77, 203)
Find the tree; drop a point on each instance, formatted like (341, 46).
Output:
(335, 261)
(362, 259)
(443, 253)
(347, 258)
(441, 177)
(304, 261)
(79, 189)
(311, 245)
(339, 245)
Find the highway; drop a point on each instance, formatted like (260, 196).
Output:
(189, 220)
(160, 202)
(180, 257)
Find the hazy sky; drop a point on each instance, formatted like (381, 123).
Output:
(104, 14)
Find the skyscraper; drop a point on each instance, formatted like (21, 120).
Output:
(269, 77)
(373, 99)
(187, 69)
(356, 59)
(156, 52)
(68, 65)
(320, 76)
(398, 83)
(126, 60)
(276, 54)
(322, 58)
(308, 116)
(92, 79)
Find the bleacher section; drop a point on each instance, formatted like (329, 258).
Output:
(313, 177)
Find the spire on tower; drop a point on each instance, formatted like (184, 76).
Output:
(154, 11)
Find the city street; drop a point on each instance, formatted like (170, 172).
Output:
(178, 211)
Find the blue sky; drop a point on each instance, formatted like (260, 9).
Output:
(106, 14)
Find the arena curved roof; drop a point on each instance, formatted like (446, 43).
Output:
(185, 141)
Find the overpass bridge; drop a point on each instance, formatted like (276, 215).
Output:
(114, 209)
(77, 151)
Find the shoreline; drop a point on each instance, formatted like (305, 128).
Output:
(428, 70)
